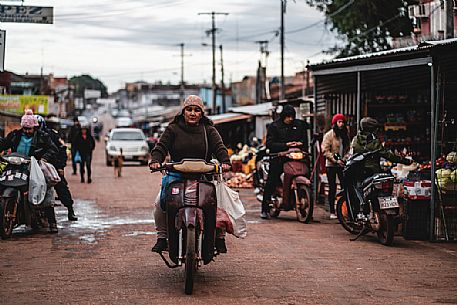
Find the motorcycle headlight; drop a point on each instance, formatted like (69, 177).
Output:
(296, 155)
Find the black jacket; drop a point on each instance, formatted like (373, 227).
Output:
(61, 158)
(42, 146)
(279, 134)
(85, 147)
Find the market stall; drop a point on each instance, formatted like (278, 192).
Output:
(413, 93)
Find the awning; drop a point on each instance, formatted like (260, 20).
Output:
(228, 117)
(255, 110)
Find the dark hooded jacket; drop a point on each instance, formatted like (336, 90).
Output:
(279, 133)
(366, 142)
(42, 146)
(183, 141)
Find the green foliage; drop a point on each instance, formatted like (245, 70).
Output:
(365, 25)
(85, 81)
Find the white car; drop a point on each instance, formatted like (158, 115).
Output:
(132, 142)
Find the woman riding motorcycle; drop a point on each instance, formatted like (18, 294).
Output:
(191, 135)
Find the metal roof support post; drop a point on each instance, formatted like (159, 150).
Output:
(359, 101)
(432, 150)
(315, 151)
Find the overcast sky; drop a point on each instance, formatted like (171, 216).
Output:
(119, 41)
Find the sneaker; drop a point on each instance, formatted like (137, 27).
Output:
(333, 216)
(264, 215)
(220, 245)
(161, 245)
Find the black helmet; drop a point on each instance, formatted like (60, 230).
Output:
(369, 124)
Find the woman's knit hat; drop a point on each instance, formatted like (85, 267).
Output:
(338, 117)
(28, 120)
(194, 100)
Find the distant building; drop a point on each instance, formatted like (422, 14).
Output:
(206, 93)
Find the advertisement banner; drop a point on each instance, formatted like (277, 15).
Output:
(18, 103)
(27, 14)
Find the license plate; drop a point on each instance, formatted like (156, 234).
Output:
(388, 202)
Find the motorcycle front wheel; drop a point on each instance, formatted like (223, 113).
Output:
(342, 212)
(190, 264)
(387, 229)
(8, 208)
(304, 205)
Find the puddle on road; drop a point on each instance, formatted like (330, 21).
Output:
(93, 223)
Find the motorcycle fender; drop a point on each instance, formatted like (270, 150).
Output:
(9, 192)
(302, 180)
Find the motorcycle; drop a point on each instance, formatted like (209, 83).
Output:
(381, 209)
(191, 216)
(294, 192)
(15, 208)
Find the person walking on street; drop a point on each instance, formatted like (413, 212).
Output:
(74, 132)
(336, 141)
(85, 144)
(284, 133)
(61, 188)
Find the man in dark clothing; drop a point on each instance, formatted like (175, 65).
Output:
(61, 188)
(74, 131)
(284, 133)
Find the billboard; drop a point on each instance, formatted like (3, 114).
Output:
(18, 103)
(26, 14)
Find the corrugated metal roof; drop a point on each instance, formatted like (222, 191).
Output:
(227, 117)
(421, 47)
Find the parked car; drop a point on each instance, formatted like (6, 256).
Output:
(123, 122)
(132, 142)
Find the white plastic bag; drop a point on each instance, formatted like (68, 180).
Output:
(37, 183)
(230, 203)
(50, 173)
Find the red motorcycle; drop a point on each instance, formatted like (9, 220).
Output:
(294, 192)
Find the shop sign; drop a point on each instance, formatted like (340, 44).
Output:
(26, 14)
(18, 103)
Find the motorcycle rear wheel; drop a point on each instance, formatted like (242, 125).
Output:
(190, 264)
(304, 206)
(8, 217)
(387, 230)
(342, 213)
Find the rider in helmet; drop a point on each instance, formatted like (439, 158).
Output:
(367, 141)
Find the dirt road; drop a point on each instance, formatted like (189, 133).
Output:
(105, 258)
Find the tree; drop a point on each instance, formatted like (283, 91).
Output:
(365, 25)
(84, 82)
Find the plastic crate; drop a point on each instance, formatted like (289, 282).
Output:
(416, 225)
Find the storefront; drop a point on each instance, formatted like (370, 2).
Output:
(413, 93)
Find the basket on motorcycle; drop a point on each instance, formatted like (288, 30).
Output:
(194, 166)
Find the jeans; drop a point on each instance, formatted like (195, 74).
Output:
(86, 161)
(73, 163)
(332, 172)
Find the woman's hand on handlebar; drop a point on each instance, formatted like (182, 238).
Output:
(154, 165)
(225, 167)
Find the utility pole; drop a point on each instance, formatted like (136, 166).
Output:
(449, 30)
(222, 82)
(261, 82)
(182, 72)
(283, 11)
(213, 36)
